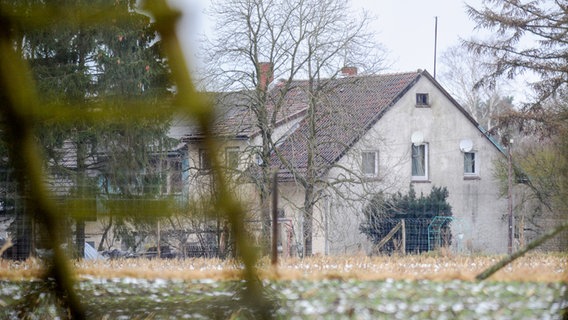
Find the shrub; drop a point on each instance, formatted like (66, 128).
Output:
(383, 213)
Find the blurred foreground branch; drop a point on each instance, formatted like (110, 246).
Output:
(18, 99)
(7, 244)
(501, 264)
(203, 113)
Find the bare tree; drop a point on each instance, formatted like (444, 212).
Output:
(335, 120)
(461, 71)
(259, 40)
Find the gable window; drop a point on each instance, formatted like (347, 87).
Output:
(469, 164)
(420, 162)
(204, 160)
(369, 163)
(232, 157)
(422, 100)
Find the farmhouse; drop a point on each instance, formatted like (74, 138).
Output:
(335, 144)
(362, 135)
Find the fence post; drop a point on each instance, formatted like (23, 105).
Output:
(159, 251)
(403, 230)
(388, 236)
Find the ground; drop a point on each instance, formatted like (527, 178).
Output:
(424, 286)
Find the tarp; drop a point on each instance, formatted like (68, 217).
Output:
(91, 253)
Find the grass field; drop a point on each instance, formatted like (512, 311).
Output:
(409, 287)
(533, 267)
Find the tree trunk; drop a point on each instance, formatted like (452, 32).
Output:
(81, 194)
(307, 226)
(265, 215)
(80, 237)
(308, 219)
(265, 183)
(105, 234)
(22, 244)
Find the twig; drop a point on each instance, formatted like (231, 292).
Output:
(537, 242)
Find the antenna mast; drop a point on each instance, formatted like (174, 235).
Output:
(435, 42)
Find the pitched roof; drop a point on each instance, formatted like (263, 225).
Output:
(345, 110)
(235, 116)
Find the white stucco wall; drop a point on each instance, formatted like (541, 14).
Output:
(476, 204)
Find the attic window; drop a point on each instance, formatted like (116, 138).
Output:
(422, 100)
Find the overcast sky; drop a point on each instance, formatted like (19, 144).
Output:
(404, 27)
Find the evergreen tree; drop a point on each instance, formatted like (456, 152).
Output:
(109, 66)
(131, 74)
(513, 22)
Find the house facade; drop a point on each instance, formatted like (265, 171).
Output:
(364, 135)
(421, 138)
(373, 134)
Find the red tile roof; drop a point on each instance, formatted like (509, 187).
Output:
(235, 115)
(346, 109)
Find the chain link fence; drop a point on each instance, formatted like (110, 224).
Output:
(418, 235)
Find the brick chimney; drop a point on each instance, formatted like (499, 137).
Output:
(266, 74)
(349, 71)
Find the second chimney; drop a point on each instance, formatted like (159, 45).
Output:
(266, 74)
(349, 71)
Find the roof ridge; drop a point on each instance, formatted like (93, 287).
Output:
(376, 75)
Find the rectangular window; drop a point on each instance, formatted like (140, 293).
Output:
(176, 181)
(369, 163)
(469, 165)
(422, 100)
(204, 160)
(232, 157)
(420, 162)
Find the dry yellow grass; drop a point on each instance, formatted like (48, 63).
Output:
(533, 267)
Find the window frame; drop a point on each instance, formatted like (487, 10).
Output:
(425, 161)
(475, 164)
(228, 159)
(375, 154)
(175, 176)
(204, 160)
(422, 100)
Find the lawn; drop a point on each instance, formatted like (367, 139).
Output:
(411, 287)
